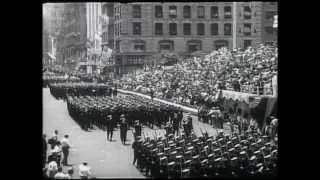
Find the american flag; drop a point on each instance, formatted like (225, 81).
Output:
(254, 101)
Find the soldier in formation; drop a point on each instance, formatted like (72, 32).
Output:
(61, 90)
(91, 111)
(223, 156)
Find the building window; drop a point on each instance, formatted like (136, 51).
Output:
(214, 29)
(117, 45)
(136, 11)
(269, 29)
(194, 45)
(104, 9)
(187, 29)
(200, 28)
(186, 11)
(270, 15)
(166, 45)
(172, 11)
(139, 46)
(214, 12)
(247, 29)
(246, 43)
(158, 12)
(136, 28)
(201, 12)
(227, 12)
(220, 43)
(227, 29)
(158, 29)
(173, 29)
(247, 12)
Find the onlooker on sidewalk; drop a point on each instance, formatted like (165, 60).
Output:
(70, 173)
(65, 149)
(56, 154)
(52, 169)
(84, 171)
(54, 140)
(60, 174)
(44, 149)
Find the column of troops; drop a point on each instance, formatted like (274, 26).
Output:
(248, 155)
(61, 90)
(93, 110)
(46, 80)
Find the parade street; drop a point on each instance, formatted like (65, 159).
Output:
(107, 159)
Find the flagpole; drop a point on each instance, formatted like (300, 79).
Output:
(234, 34)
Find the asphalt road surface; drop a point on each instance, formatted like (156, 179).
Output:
(107, 159)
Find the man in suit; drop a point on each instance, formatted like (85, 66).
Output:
(65, 149)
(137, 128)
(123, 129)
(110, 126)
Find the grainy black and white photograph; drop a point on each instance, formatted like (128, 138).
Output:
(160, 90)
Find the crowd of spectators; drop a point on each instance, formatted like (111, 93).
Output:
(194, 79)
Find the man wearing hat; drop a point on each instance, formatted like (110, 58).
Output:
(136, 146)
(168, 128)
(110, 125)
(137, 128)
(189, 124)
(123, 129)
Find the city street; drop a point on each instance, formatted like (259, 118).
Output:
(107, 159)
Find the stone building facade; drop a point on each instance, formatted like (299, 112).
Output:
(144, 29)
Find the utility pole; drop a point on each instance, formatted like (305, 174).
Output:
(234, 28)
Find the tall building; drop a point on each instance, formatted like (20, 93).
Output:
(269, 33)
(74, 34)
(52, 24)
(142, 30)
(82, 35)
(107, 38)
